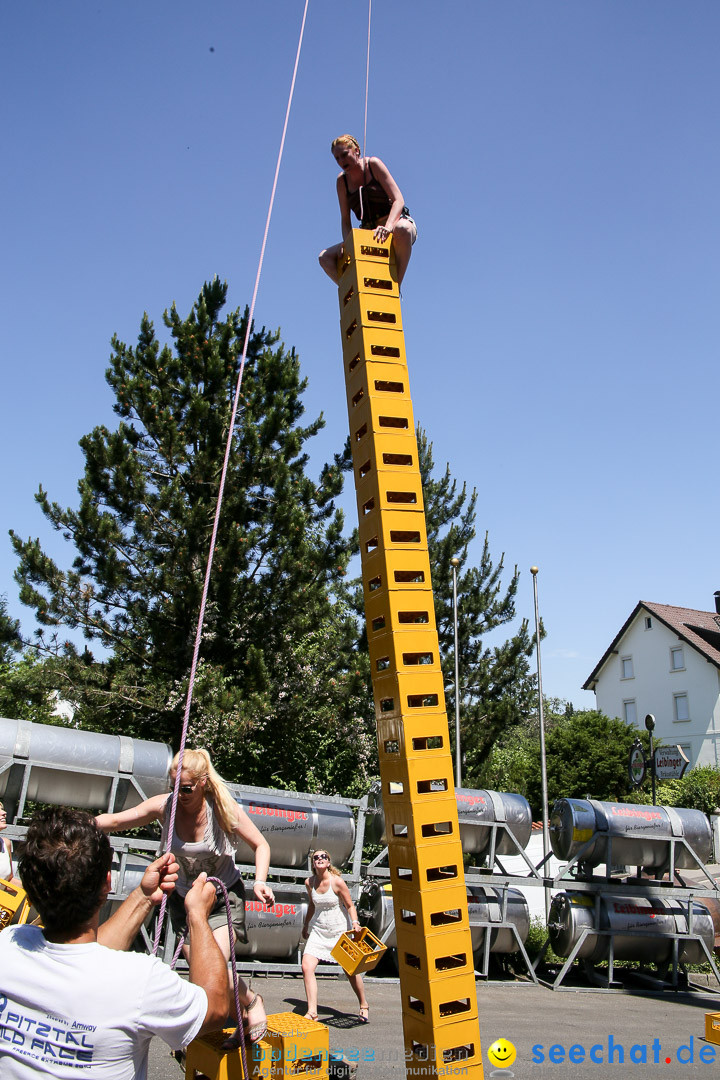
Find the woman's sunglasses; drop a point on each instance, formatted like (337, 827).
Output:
(316, 857)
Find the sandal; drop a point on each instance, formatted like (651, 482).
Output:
(233, 1042)
(311, 1016)
(364, 1014)
(258, 1031)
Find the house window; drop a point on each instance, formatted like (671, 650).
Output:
(681, 708)
(626, 666)
(677, 660)
(630, 712)
(648, 622)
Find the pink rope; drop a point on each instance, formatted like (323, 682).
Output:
(221, 491)
(231, 934)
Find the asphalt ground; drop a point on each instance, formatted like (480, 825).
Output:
(627, 1034)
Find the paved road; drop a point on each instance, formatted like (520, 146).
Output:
(636, 1026)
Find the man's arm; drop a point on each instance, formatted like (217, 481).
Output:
(121, 929)
(208, 968)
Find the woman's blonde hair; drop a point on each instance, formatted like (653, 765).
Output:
(199, 765)
(345, 140)
(331, 869)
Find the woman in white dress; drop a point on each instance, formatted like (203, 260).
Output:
(324, 923)
(6, 870)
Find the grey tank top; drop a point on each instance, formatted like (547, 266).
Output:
(214, 854)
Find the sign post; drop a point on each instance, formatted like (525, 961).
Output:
(670, 763)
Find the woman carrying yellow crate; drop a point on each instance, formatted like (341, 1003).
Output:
(324, 924)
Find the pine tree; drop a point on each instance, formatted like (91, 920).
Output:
(141, 534)
(496, 687)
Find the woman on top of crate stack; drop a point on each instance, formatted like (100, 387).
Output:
(324, 923)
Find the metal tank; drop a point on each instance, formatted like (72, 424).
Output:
(123, 885)
(375, 909)
(478, 809)
(68, 767)
(485, 905)
(274, 933)
(294, 824)
(640, 834)
(649, 919)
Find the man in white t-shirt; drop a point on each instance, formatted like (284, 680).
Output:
(72, 1002)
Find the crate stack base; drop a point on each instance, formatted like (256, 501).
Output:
(294, 1046)
(437, 982)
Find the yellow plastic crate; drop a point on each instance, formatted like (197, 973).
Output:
(298, 1046)
(358, 951)
(14, 904)
(712, 1027)
(293, 1046)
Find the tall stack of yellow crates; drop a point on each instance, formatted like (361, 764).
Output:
(437, 981)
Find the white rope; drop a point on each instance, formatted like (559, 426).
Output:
(367, 87)
(223, 477)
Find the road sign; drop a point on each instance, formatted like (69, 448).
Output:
(670, 763)
(636, 763)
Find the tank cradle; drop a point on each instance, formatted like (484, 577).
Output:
(670, 932)
(499, 919)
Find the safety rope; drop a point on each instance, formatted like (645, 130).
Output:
(228, 447)
(367, 87)
(231, 934)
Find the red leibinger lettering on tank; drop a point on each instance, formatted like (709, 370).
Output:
(277, 812)
(471, 800)
(633, 812)
(278, 910)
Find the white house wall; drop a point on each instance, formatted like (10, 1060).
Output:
(654, 686)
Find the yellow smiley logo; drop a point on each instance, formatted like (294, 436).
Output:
(502, 1053)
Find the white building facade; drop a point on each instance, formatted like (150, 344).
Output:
(666, 661)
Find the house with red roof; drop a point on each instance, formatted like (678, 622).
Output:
(665, 660)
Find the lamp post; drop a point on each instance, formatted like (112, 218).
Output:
(543, 759)
(458, 768)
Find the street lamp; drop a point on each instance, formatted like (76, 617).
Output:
(458, 777)
(543, 759)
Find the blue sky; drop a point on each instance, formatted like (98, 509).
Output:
(561, 159)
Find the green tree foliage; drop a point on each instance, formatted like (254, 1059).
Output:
(497, 688)
(141, 533)
(587, 755)
(25, 681)
(10, 640)
(698, 789)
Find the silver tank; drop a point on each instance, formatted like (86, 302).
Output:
(650, 919)
(639, 833)
(274, 933)
(76, 768)
(477, 809)
(294, 824)
(135, 867)
(375, 908)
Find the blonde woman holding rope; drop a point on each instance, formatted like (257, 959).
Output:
(207, 823)
(366, 187)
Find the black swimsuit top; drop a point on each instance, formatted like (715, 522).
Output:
(376, 203)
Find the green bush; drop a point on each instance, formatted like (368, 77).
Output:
(699, 789)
